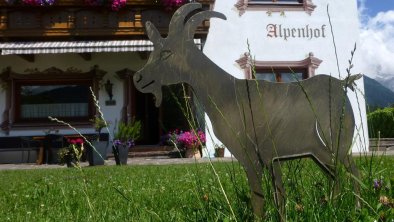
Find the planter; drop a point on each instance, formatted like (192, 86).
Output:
(97, 156)
(192, 153)
(121, 153)
(219, 152)
(70, 161)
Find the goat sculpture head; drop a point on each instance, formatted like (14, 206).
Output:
(171, 58)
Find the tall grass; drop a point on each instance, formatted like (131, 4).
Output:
(180, 193)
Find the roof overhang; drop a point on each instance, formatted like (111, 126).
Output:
(28, 48)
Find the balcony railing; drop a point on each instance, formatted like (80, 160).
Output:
(73, 18)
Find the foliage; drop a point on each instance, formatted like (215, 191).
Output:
(115, 5)
(128, 133)
(218, 149)
(73, 152)
(99, 123)
(187, 193)
(381, 123)
(171, 4)
(31, 2)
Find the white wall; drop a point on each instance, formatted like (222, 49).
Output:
(227, 41)
(109, 62)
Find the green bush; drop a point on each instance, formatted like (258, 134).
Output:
(129, 131)
(381, 121)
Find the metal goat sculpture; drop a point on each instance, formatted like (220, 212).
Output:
(260, 122)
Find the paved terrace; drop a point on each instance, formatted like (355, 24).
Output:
(155, 161)
(111, 162)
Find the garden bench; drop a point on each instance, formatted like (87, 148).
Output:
(14, 149)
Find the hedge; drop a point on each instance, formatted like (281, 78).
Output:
(381, 120)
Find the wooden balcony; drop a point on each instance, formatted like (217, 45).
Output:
(74, 19)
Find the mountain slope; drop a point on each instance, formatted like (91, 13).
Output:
(376, 94)
(387, 82)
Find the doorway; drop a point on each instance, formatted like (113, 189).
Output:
(157, 122)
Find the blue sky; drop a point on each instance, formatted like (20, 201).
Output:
(375, 6)
(376, 45)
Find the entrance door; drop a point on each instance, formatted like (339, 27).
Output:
(148, 114)
(157, 122)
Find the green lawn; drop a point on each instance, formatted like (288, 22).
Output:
(184, 193)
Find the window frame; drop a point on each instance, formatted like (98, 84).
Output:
(244, 5)
(11, 80)
(18, 97)
(311, 63)
(279, 71)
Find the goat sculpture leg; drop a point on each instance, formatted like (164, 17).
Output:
(351, 167)
(255, 176)
(279, 190)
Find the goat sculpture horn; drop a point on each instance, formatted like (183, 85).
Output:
(153, 33)
(178, 19)
(196, 20)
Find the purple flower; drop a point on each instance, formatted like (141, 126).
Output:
(377, 184)
(117, 142)
(129, 143)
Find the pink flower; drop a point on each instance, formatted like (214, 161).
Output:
(170, 4)
(189, 139)
(117, 4)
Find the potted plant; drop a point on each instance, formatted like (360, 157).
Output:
(191, 142)
(219, 150)
(72, 154)
(171, 139)
(97, 153)
(124, 139)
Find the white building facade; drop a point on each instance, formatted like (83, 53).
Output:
(288, 36)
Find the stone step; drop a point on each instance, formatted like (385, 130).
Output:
(150, 151)
(150, 148)
(150, 154)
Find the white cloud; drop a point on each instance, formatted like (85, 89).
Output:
(377, 44)
(362, 11)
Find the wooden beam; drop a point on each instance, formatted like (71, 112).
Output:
(28, 57)
(86, 56)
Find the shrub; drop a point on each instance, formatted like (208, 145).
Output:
(381, 120)
(128, 133)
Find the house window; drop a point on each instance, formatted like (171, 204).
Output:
(281, 75)
(275, 5)
(36, 100)
(276, 2)
(279, 71)
(34, 95)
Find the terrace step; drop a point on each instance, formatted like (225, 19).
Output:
(150, 154)
(150, 151)
(150, 148)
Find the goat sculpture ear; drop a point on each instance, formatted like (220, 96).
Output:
(153, 33)
(197, 19)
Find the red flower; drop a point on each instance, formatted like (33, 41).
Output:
(77, 141)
